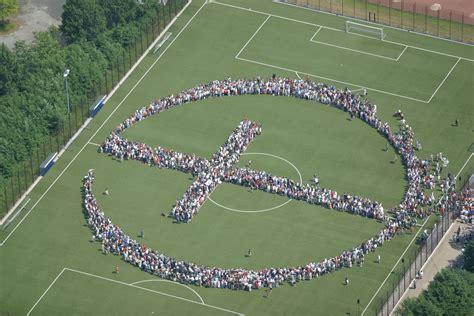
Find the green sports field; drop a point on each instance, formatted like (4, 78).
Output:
(49, 266)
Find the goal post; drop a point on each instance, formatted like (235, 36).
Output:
(162, 42)
(365, 30)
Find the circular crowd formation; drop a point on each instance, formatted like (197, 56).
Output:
(422, 174)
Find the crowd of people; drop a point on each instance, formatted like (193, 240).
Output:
(115, 241)
(227, 155)
(421, 175)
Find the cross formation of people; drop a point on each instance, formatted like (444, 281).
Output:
(415, 205)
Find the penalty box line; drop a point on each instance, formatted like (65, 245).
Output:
(117, 107)
(356, 50)
(338, 30)
(132, 285)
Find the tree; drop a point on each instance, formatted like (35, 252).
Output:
(7, 8)
(450, 293)
(7, 70)
(119, 12)
(419, 307)
(82, 20)
(469, 256)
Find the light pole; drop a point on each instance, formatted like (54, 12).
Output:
(66, 73)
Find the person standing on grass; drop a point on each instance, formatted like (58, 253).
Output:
(346, 281)
(378, 258)
(117, 269)
(249, 253)
(142, 233)
(268, 290)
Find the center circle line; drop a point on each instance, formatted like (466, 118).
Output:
(267, 209)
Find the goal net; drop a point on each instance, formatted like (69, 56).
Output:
(364, 30)
(162, 42)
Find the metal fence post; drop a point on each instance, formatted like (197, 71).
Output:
(390, 13)
(123, 62)
(450, 21)
(378, 8)
(19, 182)
(141, 39)
(75, 115)
(13, 192)
(31, 167)
(414, 14)
(169, 6)
(6, 197)
(365, 9)
(136, 52)
(426, 19)
(26, 176)
(438, 22)
(69, 118)
(401, 13)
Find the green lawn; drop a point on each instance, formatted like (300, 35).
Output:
(37, 260)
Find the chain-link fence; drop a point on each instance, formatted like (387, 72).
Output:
(407, 15)
(28, 171)
(407, 279)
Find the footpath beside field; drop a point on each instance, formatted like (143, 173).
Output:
(445, 255)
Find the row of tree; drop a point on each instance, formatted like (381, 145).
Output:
(450, 293)
(93, 34)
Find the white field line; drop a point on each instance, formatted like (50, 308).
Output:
(354, 50)
(315, 33)
(46, 291)
(172, 282)
(116, 108)
(398, 58)
(335, 29)
(424, 264)
(251, 38)
(359, 51)
(301, 72)
(463, 166)
(385, 26)
(95, 144)
(330, 79)
(446, 77)
(372, 38)
(394, 266)
(275, 16)
(152, 291)
(297, 75)
(129, 285)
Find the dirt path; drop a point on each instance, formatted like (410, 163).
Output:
(34, 16)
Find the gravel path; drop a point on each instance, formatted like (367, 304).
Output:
(34, 16)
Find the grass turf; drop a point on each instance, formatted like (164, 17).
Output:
(346, 155)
